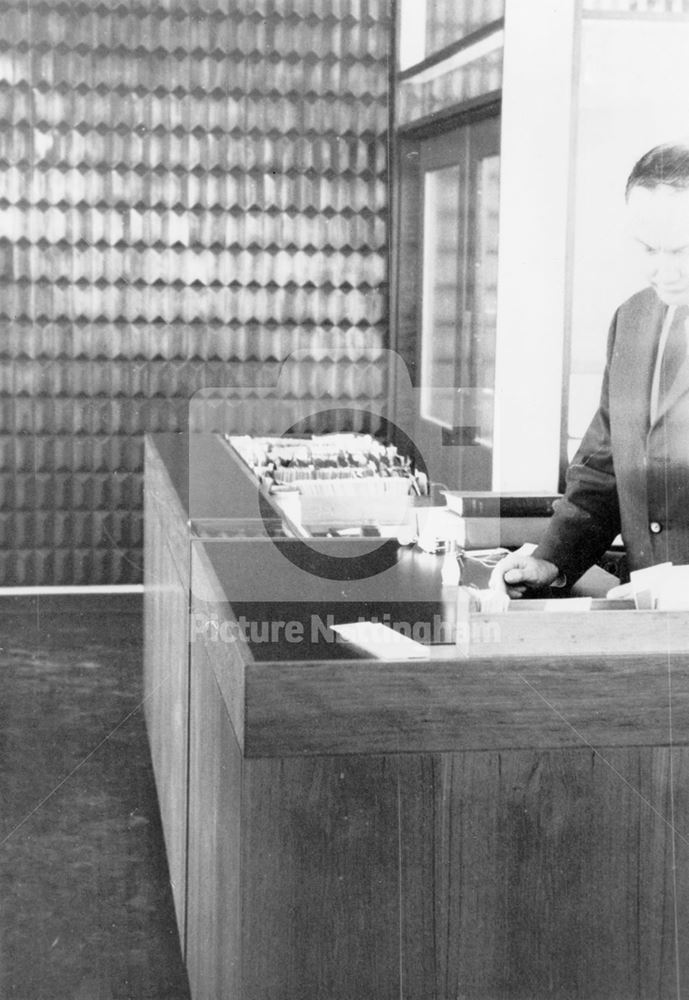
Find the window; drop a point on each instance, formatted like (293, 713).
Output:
(446, 228)
(459, 280)
(631, 96)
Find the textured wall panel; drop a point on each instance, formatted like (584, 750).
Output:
(660, 7)
(190, 191)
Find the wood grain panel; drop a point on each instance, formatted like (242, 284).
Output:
(166, 676)
(164, 504)
(555, 908)
(171, 731)
(534, 875)
(223, 652)
(566, 700)
(663, 867)
(215, 796)
(453, 887)
(213, 627)
(320, 890)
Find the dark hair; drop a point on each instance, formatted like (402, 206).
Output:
(666, 164)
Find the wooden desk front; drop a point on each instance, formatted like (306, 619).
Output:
(509, 821)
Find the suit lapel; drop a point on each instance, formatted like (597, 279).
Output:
(634, 356)
(679, 387)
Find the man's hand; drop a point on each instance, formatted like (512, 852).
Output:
(519, 572)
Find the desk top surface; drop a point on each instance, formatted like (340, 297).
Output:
(335, 580)
(521, 679)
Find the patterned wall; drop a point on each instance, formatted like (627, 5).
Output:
(659, 7)
(189, 190)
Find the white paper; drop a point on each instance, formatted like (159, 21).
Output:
(382, 641)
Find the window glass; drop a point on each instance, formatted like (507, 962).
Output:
(443, 267)
(632, 96)
(449, 20)
(459, 285)
(429, 26)
(470, 73)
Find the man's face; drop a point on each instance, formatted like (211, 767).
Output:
(659, 222)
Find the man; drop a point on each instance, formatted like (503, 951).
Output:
(631, 472)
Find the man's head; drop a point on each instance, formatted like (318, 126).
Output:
(658, 206)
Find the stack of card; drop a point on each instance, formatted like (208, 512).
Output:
(658, 588)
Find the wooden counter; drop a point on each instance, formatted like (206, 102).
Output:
(506, 820)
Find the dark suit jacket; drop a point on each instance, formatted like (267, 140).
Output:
(628, 476)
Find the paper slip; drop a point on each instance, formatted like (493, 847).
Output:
(662, 587)
(382, 641)
(492, 601)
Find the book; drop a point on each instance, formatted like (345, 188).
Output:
(489, 504)
(491, 532)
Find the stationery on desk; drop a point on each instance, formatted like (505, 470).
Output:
(381, 641)
(483, 532)
(474, 503)
(663, 587)
(479, 520)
